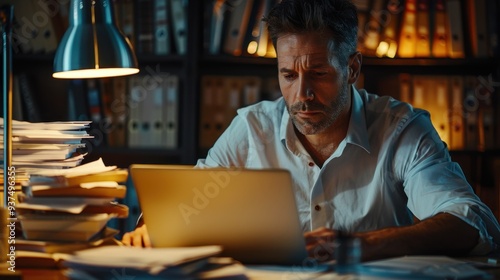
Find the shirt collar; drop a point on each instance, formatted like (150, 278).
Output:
(287, 133)
(285, 122)
(357, 133)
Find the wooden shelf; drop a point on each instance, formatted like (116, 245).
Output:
(367, 61)
(464, 66)
(237, 65)
(246, 60)
(124, 157)
(170, 58)
(33, 57)
(475, 62)
(470, 152)
(432, 66)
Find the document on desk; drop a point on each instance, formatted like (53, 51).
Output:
(162, 262)
(422, 267)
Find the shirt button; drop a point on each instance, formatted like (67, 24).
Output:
(311, 164)
(317, 207)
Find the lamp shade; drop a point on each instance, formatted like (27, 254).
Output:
(93, 46)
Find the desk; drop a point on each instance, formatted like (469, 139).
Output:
(34, 274)
(492, 268)
(252, 272)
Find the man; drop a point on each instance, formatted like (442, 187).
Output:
(363, 164)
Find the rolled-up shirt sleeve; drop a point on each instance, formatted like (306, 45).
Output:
(435, 184)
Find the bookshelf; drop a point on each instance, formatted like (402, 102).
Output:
(196, 63)
(380, 75)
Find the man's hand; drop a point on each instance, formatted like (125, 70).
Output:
(435, 235)
(319, 244)
(137, 238)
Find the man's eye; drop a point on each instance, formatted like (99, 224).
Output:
(289, 76)
(320, 74)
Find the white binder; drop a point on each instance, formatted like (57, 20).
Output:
(478, 27)
(457, 125)
(151, 112)
(179, 23)
(455, 29)
(170, 112)
(237, 28)
(251, 90)
(161, 28)
(136, 94)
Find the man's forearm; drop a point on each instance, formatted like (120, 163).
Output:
(442, 234)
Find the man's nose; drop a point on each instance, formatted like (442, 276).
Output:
(305, 90)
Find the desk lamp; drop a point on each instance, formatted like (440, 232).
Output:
(6, 14)
(93, 46)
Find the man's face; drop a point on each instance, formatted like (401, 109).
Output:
(315, 91)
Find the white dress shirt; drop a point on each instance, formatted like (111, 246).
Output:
(390, 166)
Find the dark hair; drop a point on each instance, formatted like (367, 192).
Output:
(337, 18)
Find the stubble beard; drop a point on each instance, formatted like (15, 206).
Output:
(331, 113)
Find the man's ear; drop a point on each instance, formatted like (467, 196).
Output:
(354, 67)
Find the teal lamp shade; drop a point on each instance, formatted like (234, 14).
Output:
(93, 46)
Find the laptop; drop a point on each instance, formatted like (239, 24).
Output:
(251, 213)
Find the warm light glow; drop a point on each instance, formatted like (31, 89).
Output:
(271, 52)
(262, 52)
(252, 47)
(95, 73)
(393, 49)
(387, 49)
(382, 49)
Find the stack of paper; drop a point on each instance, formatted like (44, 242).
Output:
(40, 146)
(72, 205)
(151, 263)
(46, 145)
